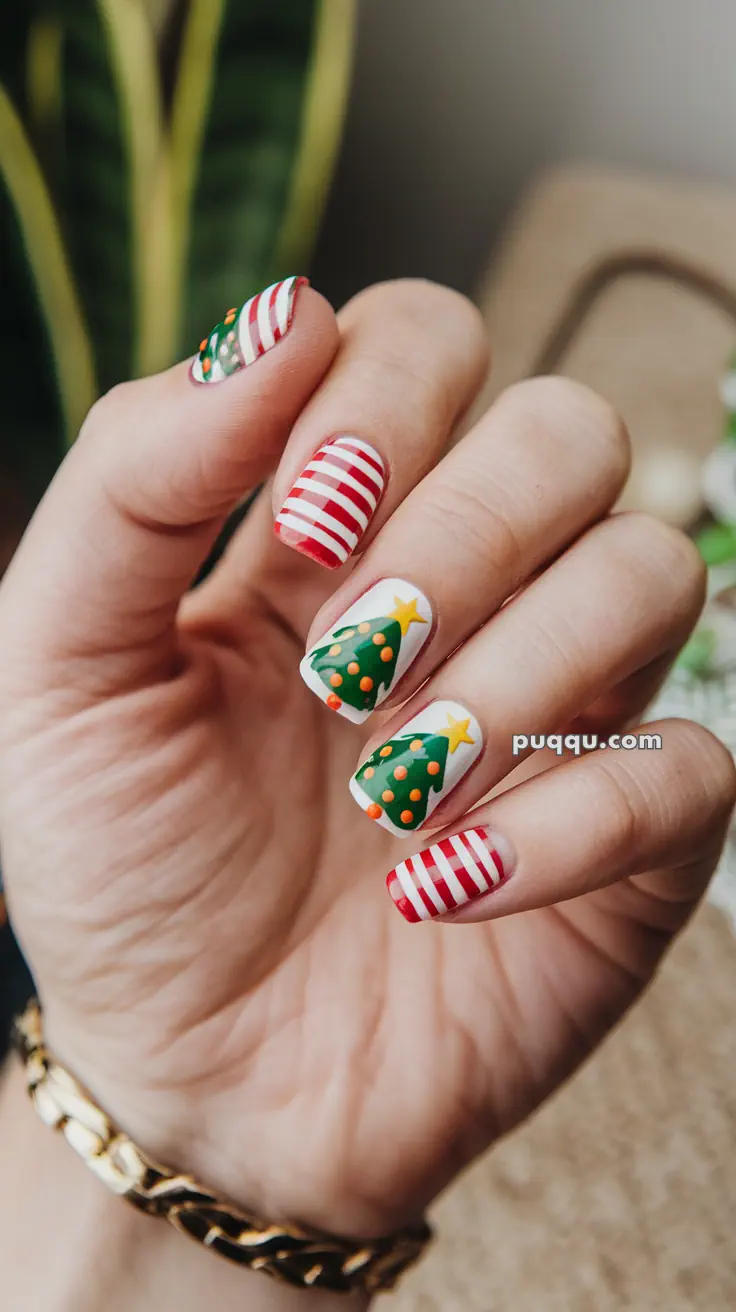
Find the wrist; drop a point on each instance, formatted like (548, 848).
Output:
(232, 1140)
(67, 1243)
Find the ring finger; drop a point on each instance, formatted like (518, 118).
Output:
(624, 594)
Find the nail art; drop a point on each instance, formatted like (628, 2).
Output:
(331, 505)
(447, 876)
(354, 667)
(405, 779)
(246, 334)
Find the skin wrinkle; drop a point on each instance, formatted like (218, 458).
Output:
(481, 1121)
(446, 512)
(631, 981)
(515, 1023)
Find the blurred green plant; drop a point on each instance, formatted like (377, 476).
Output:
(159, 160)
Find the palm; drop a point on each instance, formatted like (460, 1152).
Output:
(242, 889)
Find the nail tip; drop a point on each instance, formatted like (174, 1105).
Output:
(338, 707)
(400, 901)
(296, 542)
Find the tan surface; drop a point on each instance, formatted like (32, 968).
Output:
(622, 1193)
(654, 350)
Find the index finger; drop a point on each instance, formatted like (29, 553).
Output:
(412, 358)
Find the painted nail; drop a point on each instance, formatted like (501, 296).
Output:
(407, 777)
(331, 505)
(354, 667)
(246, 334)
(448, 875)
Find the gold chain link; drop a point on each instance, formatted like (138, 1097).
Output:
(287, 1252)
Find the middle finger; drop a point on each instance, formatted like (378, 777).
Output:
(546, 461)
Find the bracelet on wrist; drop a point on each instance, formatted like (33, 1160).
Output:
(290, 1253)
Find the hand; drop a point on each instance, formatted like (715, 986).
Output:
(200, 899)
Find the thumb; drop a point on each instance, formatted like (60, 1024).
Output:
(139, 500)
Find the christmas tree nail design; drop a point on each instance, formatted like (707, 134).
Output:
(448, 875)
(357, 664)
(246, 334)
(407, 777)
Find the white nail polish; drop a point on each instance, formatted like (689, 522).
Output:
(405, 779)
(355, 666)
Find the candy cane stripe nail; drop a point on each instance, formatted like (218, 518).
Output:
(246, 334)
(333, 501)
(447, 876)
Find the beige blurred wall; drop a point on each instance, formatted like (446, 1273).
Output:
(457, 103)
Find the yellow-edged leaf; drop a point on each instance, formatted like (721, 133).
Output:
(192, 97)
(133, 52)
(47, 258)
(43, 81)
(325, 106)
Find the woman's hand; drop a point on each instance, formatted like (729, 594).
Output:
(201, 901)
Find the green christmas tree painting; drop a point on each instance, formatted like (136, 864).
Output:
(401, 776)
(223, 346)
(360, 660)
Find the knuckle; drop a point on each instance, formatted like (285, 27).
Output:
(626, 807)
(703, 757)
(106, 414)
(415, 305)
(669, 553)
(462, 516)
(571, 412)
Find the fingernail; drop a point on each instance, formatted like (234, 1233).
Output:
(448, 875)
(246, 334)
(354, 667)
(331, 505)
(407, 777)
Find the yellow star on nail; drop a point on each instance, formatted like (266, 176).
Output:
(456, 733)
(406, 613)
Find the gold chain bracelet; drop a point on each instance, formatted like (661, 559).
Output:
(287, 1252)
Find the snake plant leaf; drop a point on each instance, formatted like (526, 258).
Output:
(32, 441)
(237, 127)
(113, 149)
(325, 105)
(51, 384)
(17, 20)
(43, 91)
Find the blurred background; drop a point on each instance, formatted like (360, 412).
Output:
(457, 104)
(568, 163)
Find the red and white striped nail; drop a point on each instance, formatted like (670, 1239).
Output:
(331, 505)
(246, 334)
(448, 875)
